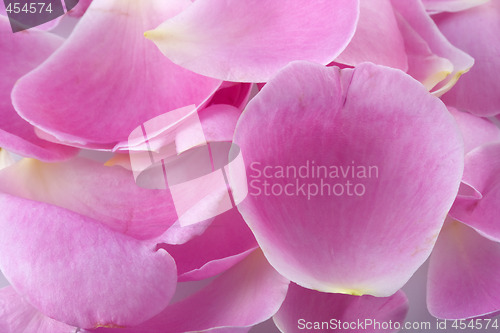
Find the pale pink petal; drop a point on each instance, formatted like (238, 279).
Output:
(107, 194)
(400, 142)
(18, 59)
(311, 310)
(482, 174)
(77, 271)
(107, 79)
(245, 295)
(474, 31)
(463, 274)
(247, 41)
(227, 241)
(438, 6)
(476, 131)
(377, 38)
(413, 13)
(18, 316)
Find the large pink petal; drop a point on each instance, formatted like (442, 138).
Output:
(476, 131)
(474, 31)
(438, 6)
(245, 295)
(377, 38)
(305, 309)
(247, 41)
(106, 194)
(107, 79)
(77, 271)
(463, 274)
(405, 159)
(17, 58)
(18, 316)
(482, 174)
(413, 13)
(226, 242)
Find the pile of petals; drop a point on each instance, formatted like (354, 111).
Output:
(343, 144)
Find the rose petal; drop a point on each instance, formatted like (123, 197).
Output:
(86, 99)
(482, 174)
(414, 14)
(313, 310)
(424, 65)
(18, 316)
(463, 274)
(226, 242)
(106, 194)
(245, 295)
(408, 157)
(377, 38)
(77, 271)
(475, 130)
(18, 59)
(248, 42)
(473, 31)
(438, 6)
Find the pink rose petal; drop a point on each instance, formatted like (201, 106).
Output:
(305, 309)
(248, 41)
(377, 38)
(107, 79)
(245, 295)
(475, 130)
(411, 157)
(226, 242)
(77, 271)
(18, 59)
(482, 174)
(474, 31)
(413, 13)
(463, 274)
(438, 6)
(18, 316)
(107, 194)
